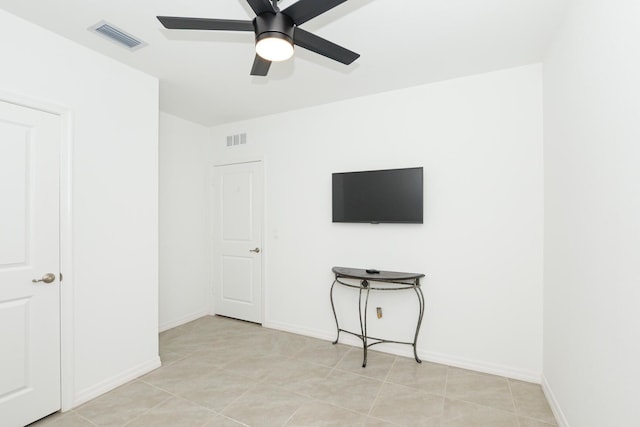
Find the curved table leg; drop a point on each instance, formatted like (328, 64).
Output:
(415, 338)
(363, 337)
(363, 320)
(334, 311)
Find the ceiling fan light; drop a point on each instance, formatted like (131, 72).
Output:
(274, 47)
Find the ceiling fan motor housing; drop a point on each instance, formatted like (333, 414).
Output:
(276, 25)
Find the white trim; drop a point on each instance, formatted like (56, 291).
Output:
(313, 333)
(67, 301)
(181, 321)
(554, 404)
(407, 351)
(116, 381)
(210, 210)
(481, 366)
(34, 104)
(67, 307)
(263, 237)
(236, 160)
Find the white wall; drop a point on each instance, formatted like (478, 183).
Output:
(115, 196)
(592, 216)
(185, 283)
(479, 140)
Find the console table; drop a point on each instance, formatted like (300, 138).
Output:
(382, 281)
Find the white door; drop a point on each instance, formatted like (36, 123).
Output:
(237, 242)
(29, 250)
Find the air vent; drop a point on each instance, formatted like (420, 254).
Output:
(237, 139)
(116, 35)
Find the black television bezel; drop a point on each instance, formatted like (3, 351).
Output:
(421, 221)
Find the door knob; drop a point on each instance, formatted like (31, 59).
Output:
(47, 278)
(256, 250)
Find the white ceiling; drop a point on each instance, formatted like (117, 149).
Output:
(204, 75)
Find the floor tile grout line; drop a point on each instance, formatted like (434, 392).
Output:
(174, 361)
(339, 361)
(330, 367)
(546, 423)
(291, 416)
(316, 399)
(513, 402)
(196, 403)
(360, 375)
(238, 398)
(386, 377)
(214, 415)
(137, 380)
(495, 408)
(385, 420)
(86, 419)
(432, 394)
(521, 415)
(234, 420)
(153, 407)
(178, 397)
(514, 412)
(444, 392)
(446, 382)
(384, 381)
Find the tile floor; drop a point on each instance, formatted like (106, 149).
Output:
(222, 372)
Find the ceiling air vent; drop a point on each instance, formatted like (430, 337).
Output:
(118, 36)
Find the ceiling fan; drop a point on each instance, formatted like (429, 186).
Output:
(276, 31)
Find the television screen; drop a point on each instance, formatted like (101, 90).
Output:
(391, 196)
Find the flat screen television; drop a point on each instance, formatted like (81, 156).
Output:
(380, 196)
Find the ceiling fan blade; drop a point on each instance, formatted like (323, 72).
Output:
(260, 66)
(261, 6)
(177, 23)
(324, 47)
(304, 10)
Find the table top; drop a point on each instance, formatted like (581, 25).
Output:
(359, 273)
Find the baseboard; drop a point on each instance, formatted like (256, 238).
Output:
(294, 329)
(181, 321)
(407, 351)
(553, 403)
(115, 381)
(481, 366)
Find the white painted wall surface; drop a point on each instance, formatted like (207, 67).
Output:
(479, 140)
(115, 197)
(185, 282)
(592, 216)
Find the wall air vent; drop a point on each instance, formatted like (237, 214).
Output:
(237, 139)
(116, 35)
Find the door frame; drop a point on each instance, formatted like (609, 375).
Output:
(67, 392)
(212, 233)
